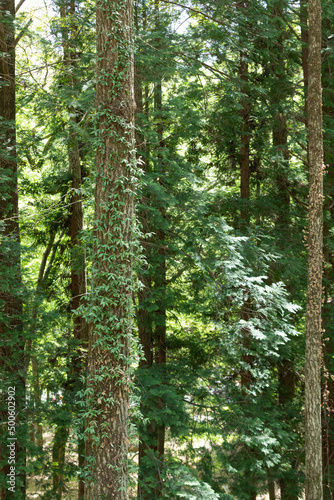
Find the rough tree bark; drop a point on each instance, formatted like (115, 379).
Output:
(313, 445)
(110, 306)
(12, 343)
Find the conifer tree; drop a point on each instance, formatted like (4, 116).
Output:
(327, 316)
(12, 356)
(110, 300)
(70, 29)
(313, 357)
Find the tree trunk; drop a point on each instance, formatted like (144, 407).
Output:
(37, 399)
(160, 275)
(328, 308)
(245, 136)
(280, 93)
(152, 326)
(304, 39)
(58, 459)
(12, 344)
(78, 264)
(110, 299)
(313, 448)
(271, 486)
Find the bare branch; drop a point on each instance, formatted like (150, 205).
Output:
(21, 2)
(211, 68)
(20, 35)
(194, 10)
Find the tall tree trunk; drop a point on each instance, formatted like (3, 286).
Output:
(328, 308)
(144, 317)
(11, 334)
(38, 399)
(271, 486)
(313, 448)
(328, 383)
(279, 95)
(304, 39)
(152, 326)
(78, 263)
(112, 283)
(244, 157)
(245, 136)
(160, 277)
(58, 459)
(78, 285)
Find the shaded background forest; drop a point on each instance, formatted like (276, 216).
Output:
(221, 124)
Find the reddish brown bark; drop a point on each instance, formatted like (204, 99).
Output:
(12, 343)
(108, 354)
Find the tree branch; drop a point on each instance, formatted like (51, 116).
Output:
(53, 255)
(211, 68)
(19, 5)
(45, 256)
(20, 35)
(194, 10)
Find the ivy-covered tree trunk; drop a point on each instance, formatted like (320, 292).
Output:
(12, 362)
(110, 298)
(313, 445)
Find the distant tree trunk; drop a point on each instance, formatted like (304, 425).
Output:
(304, 39)
(286, 394)
(38, 399)
(279, 95)
(152, 326)
(111, 293)
(12, 343)
(328, 308)
(245, 135)
(144, 317)
(328, 383)
(58, 459)
(271, 487)
(78, 265)
(313, 448)
(244, 162)
(160, 277)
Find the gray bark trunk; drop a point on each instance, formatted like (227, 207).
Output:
(313, 448)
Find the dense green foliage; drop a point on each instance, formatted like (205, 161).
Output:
(220, 280)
